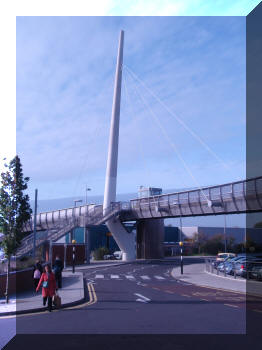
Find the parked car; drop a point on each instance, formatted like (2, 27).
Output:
(118, 254)
(230, 267)
(256, 271)
(219, 260)
(109, 257)
(222, 256)
(245, 265)
(226, 263)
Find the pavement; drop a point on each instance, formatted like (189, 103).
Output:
(197, 275)
(72, 292)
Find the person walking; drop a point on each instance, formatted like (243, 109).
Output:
(58, 268)
(37, 272)
(48, 283)
(36, 277)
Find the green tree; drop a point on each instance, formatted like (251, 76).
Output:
(15, 210)
(258, 225)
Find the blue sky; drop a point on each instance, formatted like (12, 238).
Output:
(65, 76)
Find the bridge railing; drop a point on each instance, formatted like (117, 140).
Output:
(236, 197)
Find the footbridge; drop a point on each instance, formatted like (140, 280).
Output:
(231, 198)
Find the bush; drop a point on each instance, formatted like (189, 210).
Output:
(100, 252)
(24, 264)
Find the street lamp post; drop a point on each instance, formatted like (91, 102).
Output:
(87, 189)
(75, 201)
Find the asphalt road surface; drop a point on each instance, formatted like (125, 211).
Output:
(143, 298)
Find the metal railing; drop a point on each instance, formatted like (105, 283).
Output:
(232, 198)
(246, 269)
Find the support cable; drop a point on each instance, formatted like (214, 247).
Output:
(131, 107)
(172, 144)
(178, 119)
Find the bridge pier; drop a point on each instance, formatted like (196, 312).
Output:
(150, 237)
(124, 239)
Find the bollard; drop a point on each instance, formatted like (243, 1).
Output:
(225, 275)
(235, 275)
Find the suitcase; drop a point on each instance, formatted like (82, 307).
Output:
(57, 301)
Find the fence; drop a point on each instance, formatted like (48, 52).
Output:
(242, 269)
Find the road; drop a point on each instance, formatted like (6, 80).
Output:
(143, 298)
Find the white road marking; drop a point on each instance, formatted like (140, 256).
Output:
(159, 277)
(142, 298)
(114, 276)
(232, 305)
(145, 277)
(130, 277)
(99, 276)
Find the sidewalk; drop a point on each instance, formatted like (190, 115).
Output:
(72, 293)
(196, 274)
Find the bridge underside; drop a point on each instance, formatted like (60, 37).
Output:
(150, 237)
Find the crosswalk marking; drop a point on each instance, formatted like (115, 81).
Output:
(114, 276)
(130, 277)
(145, 277)
(159, 277)
(99, 276)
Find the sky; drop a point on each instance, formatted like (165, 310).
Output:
(195, 65)
(64, 86)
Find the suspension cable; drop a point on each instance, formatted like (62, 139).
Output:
(172, 144)
(178, 119)
(131, 107)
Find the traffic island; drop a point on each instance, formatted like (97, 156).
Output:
(196, 274)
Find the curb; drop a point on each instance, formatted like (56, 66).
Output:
(203, 286)
(228, 278)
(42, 309)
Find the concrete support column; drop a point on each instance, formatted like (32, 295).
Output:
(150, 237)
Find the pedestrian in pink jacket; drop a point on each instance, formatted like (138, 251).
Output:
(48, 283)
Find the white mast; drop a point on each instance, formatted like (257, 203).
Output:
(125, 240)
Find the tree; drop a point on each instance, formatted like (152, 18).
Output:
(258, 225)
(15, 210)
